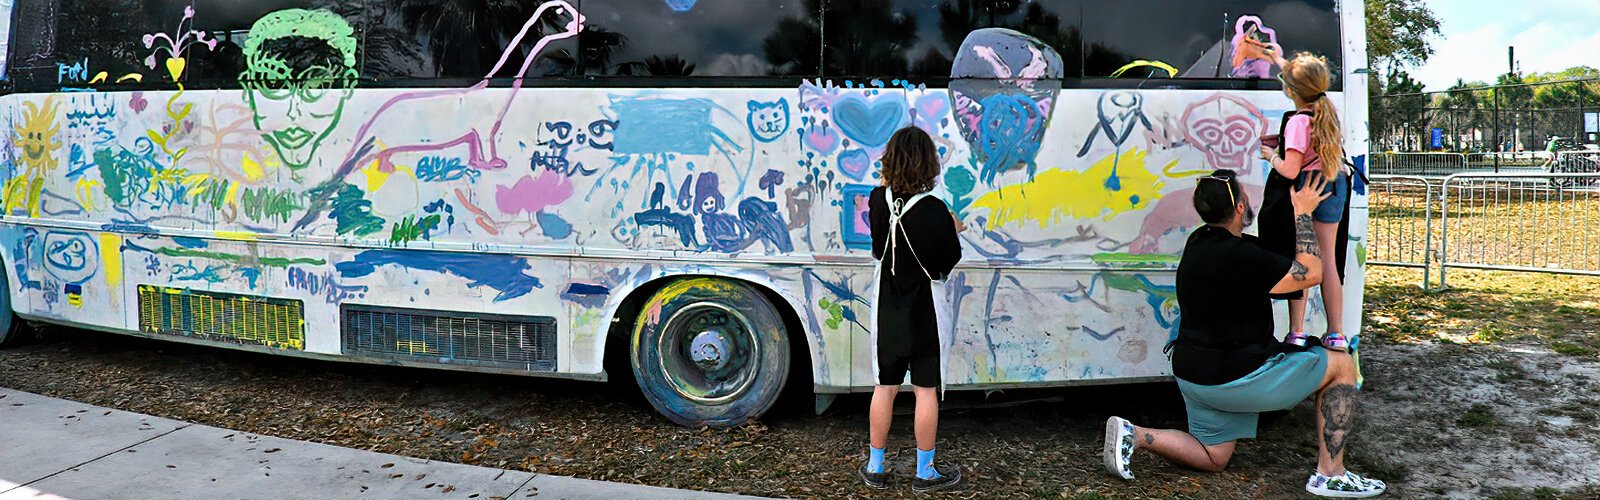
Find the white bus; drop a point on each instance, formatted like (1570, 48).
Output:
(670, 190)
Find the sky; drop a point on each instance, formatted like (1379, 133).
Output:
(1550, 35)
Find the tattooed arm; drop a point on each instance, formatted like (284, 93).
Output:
(1306, 271)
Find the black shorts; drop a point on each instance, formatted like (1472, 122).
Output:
(900, 353)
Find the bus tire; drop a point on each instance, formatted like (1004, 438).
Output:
(12, 331)
(710, 352)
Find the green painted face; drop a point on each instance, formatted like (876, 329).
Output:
(300, 71)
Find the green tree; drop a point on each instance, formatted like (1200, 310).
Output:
(1403, 111)
(1463, 112)
(1398, 34)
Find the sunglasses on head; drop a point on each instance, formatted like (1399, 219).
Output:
(1227, 182)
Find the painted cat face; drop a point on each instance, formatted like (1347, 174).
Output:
(768, 120)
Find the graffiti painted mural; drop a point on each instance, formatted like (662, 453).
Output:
(508, 198)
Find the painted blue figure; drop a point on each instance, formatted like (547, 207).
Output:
(724, 233)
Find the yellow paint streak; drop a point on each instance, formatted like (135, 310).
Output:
(412, 346)
(253, 170)
(85, 192)
(233, 193)
(1055, 194)
(237, 235)
(111, 256)
(376, 177)
(76, 300)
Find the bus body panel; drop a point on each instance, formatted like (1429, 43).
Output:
(1067, 274)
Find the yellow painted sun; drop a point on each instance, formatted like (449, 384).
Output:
(37, 136)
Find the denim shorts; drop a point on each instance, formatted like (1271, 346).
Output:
(1228, 412)
(1331, 210)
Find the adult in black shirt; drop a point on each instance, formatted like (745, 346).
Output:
(1228, 364)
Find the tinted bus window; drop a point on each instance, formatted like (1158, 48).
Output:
(1195, 37)
(705, 38)
(277, 40)
(431, 39)
(918, 39)
(95, 36)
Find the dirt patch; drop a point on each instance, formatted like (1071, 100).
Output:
(1504, 416)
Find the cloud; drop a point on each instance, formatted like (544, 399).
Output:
(1550, 36)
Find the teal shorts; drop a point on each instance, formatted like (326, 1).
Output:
(1227, 412)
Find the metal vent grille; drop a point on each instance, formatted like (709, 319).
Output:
(495, 341)
(227, 317)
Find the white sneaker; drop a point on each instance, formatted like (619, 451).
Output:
(1347, 485)
(1118, 450)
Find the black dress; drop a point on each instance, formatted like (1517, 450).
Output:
(907, 324)
(1276, 221)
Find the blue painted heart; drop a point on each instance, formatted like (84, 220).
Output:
(870, 123)
(855, 163)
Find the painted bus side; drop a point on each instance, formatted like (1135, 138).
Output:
(323, 206)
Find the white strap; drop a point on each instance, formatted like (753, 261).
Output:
(897, 209)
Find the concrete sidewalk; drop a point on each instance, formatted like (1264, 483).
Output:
(54, 448)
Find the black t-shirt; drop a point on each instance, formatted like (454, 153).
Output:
(1226, 330)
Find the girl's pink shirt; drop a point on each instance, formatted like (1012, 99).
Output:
(1297, 136)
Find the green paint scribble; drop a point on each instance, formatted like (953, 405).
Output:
(257, 203)
(1136, 261)
(960, 182)
(835, 313)
(353, 212)
(235, 259)
(412, 229)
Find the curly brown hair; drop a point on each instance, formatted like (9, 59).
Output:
(910, 162)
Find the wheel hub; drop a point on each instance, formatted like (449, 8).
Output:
(707, 348)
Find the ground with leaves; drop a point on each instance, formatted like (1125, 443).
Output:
(1487, 390)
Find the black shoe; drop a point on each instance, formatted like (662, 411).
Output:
(876, 481)
(947, 479)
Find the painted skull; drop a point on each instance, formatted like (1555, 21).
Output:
(1226, 128)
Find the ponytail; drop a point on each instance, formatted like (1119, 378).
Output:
(1307, 77)
(1326, 137)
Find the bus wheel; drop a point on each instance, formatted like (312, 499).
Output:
(12, 332)
(709, 351)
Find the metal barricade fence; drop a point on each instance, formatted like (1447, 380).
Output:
(1527, 222)
(1400, 229)
(1417, 164)
(1536, 222)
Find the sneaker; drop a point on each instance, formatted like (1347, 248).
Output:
(1335, 341)
(948, 478)
(1297, 339)
(1347, 485)
(1118, 451)
(879, 480)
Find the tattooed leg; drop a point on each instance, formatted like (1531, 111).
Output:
(1336, 408)
(1183, 449)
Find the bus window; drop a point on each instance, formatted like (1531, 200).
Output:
(95, 36)
(333, 35)
(1195, 38)
(917, 39)
(460, 40)
(688, 38)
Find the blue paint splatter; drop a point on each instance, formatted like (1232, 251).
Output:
(553, 225)
(189, 242)
(1360, 178)
(504, 273)
(585, 294)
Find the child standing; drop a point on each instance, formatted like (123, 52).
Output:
(1312, 145)
(914, 239)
